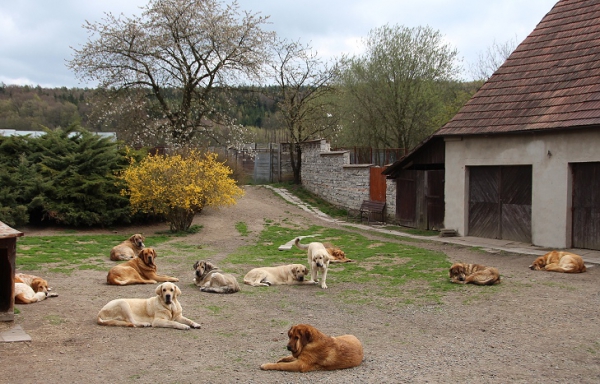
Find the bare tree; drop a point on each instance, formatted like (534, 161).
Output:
(490, 60)
(304, 96)
(173, 56)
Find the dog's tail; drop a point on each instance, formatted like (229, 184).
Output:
(301, 246)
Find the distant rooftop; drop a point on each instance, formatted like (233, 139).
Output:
(14, 132)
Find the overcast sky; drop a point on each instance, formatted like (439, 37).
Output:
(36, 35)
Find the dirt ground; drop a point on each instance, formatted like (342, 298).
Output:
(535, 327)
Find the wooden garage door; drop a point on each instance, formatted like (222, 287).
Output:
(406, 198)
(586, 205)
(435, 199)
(500, 202)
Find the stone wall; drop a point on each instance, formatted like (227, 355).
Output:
(330, 175)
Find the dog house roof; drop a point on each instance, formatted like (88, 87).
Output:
(8, 232)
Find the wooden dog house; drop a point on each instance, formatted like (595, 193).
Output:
(8, 255)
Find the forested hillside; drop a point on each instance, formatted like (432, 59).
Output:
(32, 108)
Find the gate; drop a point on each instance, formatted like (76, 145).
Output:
(500, 202)
(586, 205)
(376, 184)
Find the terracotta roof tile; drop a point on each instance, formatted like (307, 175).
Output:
(551, 81)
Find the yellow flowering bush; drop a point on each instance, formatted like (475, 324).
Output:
(179, 186)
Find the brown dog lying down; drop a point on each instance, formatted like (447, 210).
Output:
(559, 261)
(315, 351)
(336, 255)
(209, 278)
(31, 289)
(162, 310)
(128, 249)
(139, 270)
(477, 274)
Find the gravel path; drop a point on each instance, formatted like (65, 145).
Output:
(532, 328)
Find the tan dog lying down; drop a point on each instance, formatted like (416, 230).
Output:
(559, 261)
(283, 274)
(462, 273)
(139, 270)
(314, 351)
(31, 289)
(162, 310)
(209, 278)
(128, 249)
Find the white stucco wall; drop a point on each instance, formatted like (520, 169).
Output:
(548, 154)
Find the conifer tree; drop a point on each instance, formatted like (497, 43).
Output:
(80, 186)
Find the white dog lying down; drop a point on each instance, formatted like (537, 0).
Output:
(31, 289)
(162, 310)
(24, 294)
(279, 275)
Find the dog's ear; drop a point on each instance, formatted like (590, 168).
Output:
(196, 264)
(305, 335)
(158, 290)
(177, 291)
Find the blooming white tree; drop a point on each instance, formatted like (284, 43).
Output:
(171, 59)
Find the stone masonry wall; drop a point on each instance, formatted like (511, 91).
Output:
(330, 175)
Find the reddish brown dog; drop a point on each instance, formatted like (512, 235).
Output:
(140, 270)
(315, 351)
(559, 261)
(463, 273)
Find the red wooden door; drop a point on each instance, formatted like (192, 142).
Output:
(377, 184)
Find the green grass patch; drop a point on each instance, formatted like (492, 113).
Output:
(393, 272)
(242, 228)
(68, 252)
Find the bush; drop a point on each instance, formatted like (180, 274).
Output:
(65, 177)
(179, 186)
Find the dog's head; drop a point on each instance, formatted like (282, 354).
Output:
(336, 253)
(299, 271)
(458, 272)
(40, 285)
(320, 258)
(148, 256)
(203, 267)
(538, 264)
(168, 292)
(299, 337)
(137, 240)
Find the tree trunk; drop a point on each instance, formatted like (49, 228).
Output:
(296, 162)
(180, 220)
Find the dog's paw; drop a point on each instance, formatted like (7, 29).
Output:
(324, 286)
(143, 325)
(52, 294)
(196, 326)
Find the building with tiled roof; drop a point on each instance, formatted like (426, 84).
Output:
(522, 157)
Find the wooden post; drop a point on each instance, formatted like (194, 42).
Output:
(8, 255)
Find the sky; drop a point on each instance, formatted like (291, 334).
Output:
(37, 37)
